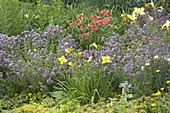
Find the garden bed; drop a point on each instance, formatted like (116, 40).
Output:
(81, 57)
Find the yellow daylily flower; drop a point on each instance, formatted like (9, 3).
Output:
(156, 94)
(105, 59)
(134, 101)
(162, 89)
(139, 11)
(132, 17)
(79, 54)
(90, 59)
(71, 64)
(153, 94)
(68, 50)
(95, 45)
(166, 25)
(62, 60)
(167, 82)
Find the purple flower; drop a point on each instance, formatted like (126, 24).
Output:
(138, 73)
(52, 74)
(46, 74)
(49, 80)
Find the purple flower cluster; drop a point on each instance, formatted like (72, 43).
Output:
(30, 54)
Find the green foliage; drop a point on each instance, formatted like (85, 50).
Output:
(34, 1)
(123, 103)
(143, 104)
(8, 103)
(21, 84)
(121, 5)
(18, 16)
(151, 81)
(87, 84)
(11, 21)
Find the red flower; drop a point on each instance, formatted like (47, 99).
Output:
(100, 22)
(95, 17)
(104, 12)
(84, 34)
(80, 23)
(93, 27)
(72, 24)
(106, 20)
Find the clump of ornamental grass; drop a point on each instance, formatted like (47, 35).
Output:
(86, 83)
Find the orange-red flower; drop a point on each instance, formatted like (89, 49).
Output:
(95, 17)
(100, 22)
(80, 23)
(72, 24)
(93, 27)
(84, 34)
(104, 12)
(106, 20)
